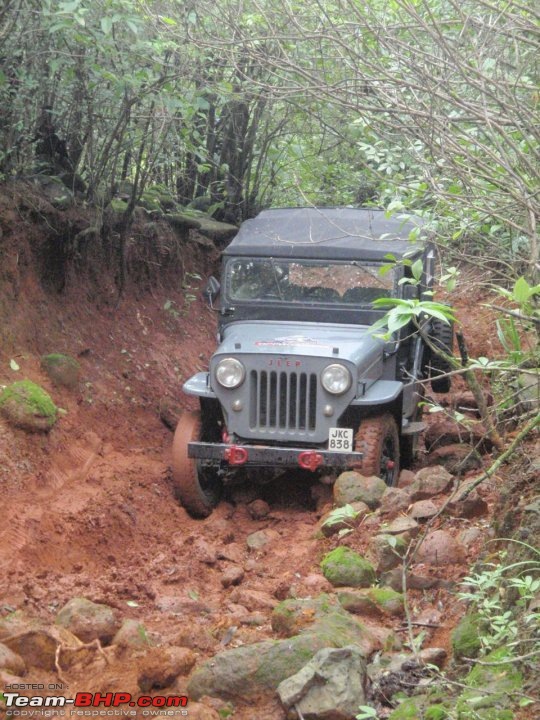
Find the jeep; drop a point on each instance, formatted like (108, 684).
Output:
(299, 379)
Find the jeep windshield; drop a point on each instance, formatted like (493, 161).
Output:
(307, 282)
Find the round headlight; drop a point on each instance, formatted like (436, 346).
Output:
(336, 379)
(230, 372)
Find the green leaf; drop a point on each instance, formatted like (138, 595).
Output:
(69, 7)
(14, 365)
(168, 20)
(106, 25)
(417, 269)
(522, 291)
(339, 515)
(132, 603)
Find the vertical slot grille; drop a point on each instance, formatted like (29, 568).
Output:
(283, 401)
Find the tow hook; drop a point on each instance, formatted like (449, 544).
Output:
(310, 460)
(235, 455)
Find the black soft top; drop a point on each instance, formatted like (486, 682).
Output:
(325, 233)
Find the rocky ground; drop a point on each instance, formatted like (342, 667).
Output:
(110, 586)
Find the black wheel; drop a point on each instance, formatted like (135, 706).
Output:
(442, 336)
(198, 488)
(378, 439)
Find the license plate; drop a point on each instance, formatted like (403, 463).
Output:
(340, 439)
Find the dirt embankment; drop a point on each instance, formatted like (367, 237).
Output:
(89, 509)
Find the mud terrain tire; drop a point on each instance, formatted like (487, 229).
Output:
(198, 488)
(442, 336)
(378, 439)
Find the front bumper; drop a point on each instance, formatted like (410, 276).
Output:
(270, 456)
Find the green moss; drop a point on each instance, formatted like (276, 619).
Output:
(409, 709)
(385, 596)
(436, 712)
(28, 406)
(505, 673)
(343, 566)
(62, 369)
(466, 636)
(58, 359)
(118, 206)
(433, 705)
(491, 688)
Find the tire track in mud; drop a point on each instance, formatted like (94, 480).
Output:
(61, 491)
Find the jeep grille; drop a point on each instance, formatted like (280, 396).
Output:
(283, 400)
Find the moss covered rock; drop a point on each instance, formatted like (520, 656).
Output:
(293, 615)
(352, 487)
(372, 601)
(466, 636)
(118, 206)
(422, 707)
(253, 669)
(28, 406)
(62, 369)
(491, 688)
(344, 567)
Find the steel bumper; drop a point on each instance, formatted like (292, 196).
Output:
(271, 456)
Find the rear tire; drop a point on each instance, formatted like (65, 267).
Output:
(442, 336)
(378, 439)
(198, 488)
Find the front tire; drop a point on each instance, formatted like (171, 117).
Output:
(198, 488)
(378, 439)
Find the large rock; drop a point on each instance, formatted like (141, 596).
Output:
(351, 487)
(258, 540)
(62, 369)
(252, 599)
(440, 548)
(457, 459)
(11, 662)
(430, 481)
(88, 620)
(345, 567)
(401, 525)
(329, 687)
(60, 196)
(386, 551)
(37, 646)
(423, 510)
(131, 634)
(254, 669)
(27, 406)
(394, 501)
(161, 666)
(448, 432)
(467, 503)
(206, 225)
(376, 601)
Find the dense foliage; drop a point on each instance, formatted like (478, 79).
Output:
(414, 104)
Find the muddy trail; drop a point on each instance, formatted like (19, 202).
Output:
(89, 509)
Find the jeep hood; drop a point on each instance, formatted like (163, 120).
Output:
(338, 342)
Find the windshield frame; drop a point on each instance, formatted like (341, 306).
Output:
(278, 294)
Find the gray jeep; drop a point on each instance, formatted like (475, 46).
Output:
(298, 379)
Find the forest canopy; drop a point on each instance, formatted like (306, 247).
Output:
(413, 105)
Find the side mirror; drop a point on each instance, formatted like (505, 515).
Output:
(212, 290)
